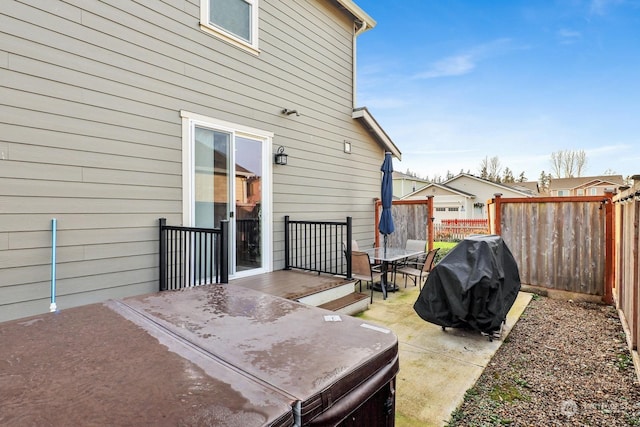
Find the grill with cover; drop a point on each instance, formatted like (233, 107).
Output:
(474, 286)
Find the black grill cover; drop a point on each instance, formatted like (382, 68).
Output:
(474, 286)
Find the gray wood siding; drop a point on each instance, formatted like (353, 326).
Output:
(90, 133)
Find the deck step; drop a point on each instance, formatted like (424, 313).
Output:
(327, 294)
(350, 304)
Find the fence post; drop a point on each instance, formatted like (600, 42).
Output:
(224, 251)
(287, 249)
(162, 249)
(498, 214)
(608, 242)
(430, 219)
(376, 214)
(349, 248)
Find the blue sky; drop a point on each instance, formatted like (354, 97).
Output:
(455, 81)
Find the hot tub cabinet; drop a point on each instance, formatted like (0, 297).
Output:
(209, 355)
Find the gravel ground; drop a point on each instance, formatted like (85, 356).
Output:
(563, 364)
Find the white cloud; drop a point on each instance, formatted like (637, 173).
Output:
(608, 149)
(464, 63)
(451, 66)
(598, 7)
(568, 36)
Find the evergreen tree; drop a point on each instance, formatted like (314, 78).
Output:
(508, 176)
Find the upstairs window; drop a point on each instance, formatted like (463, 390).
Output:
(235, 21)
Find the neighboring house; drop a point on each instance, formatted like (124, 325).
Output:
(584, 185)
(464, 196)
(531, 187)
(116, 113)
(404, 184)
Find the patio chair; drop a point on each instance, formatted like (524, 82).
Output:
(415, 262)
(361, 270)
(417, 274)
(415, 245)
(354, 248)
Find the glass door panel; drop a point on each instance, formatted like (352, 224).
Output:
(212, 186)
(228, 185)
(211, 192)
(248, 203)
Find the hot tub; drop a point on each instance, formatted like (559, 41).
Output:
(209, 355)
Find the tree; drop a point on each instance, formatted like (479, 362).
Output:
(568, 163)
(490, 169)
(508, 177)
(543, 182)
(521, 177)
(484, 172)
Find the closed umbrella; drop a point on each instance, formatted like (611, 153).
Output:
(386, 220)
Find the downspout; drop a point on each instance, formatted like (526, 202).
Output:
(54, 224)
(356, 33)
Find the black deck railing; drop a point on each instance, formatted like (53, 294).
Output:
(318, 246)
(191, 256)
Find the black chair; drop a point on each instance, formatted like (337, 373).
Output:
(417, 274)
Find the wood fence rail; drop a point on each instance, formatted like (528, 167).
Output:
(627, 265)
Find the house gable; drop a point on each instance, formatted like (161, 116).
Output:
(463, 196)
(404, 184)
(482, 187)
(588, 185)
(435, 189)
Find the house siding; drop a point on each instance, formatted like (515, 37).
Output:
(90, 133)
(481, 189)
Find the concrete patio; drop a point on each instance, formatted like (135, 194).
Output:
(436, 367)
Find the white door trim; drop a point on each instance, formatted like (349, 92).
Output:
(189, 122)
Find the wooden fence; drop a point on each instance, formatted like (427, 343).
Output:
(452, 230)
(627, 266)
(559, 243)
(413, 219)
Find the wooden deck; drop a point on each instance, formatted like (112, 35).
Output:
(290, 284)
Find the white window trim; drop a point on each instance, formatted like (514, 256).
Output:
(189, 122)
(221, 33)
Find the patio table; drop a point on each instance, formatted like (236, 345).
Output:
(388, 256)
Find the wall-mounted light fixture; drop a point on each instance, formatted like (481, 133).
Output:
(347, 147)
(288, 112)
(281, 157)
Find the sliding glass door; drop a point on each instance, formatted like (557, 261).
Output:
(229, 183)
